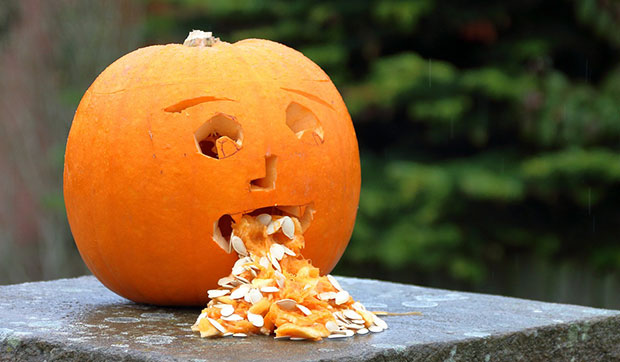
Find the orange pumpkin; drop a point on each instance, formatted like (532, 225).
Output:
(171, 144)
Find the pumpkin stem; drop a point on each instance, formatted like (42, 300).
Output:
(199, 38)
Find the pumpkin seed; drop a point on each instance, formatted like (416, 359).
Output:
(264, 219)
(380, 322)
(255, 296)
(354, 326)
(273, 227)
(227, 334)
(279, 275)
(288, 251)
(362, 331)
(256, 319)
(240, 292)
(277, 251)
(304, 309)
(235, 283)
(238, 245)
(217, 325)
(375, 329)
(351, 314)
(225, 281)
(286, 304)
(331, 326)
(264, 262)
(247, 299)
(358, 306)
(240, 335)
(340, 317)
(298, 338)
(242, 261)
(269, 289)
(340, 331)
(280, 282)
(327, 295)
(334, 282)
(227, 310)
(202, 316)
(275, 263)
(342, 297)
(216, 293)
(238, 270)
(232, 318)
(337, 335)
(288, 227)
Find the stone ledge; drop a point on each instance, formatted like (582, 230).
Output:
(80, 320)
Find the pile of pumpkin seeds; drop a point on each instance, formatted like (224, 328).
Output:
(241, 284)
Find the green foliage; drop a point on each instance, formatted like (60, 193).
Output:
(602, 16)
(401, 14)
(487, 130)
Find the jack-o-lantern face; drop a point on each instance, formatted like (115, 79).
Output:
(171, 144)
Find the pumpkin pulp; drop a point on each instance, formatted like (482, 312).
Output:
(273, 288)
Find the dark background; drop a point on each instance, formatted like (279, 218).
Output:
(489, 131)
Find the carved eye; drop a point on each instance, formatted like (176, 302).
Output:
(219, 137)
(304, 124)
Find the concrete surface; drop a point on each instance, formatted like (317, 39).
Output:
(80, 320)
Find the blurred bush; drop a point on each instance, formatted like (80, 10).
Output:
(489, 132)
(50, 52)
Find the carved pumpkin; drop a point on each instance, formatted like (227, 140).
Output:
(172, 144)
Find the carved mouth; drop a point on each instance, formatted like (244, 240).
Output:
(222, 228)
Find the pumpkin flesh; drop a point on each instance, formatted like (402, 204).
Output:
(274, 281)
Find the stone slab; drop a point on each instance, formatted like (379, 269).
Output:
(79, 320)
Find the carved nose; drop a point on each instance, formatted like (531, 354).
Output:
(268, 182)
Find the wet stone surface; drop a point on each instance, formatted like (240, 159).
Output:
(79, 319)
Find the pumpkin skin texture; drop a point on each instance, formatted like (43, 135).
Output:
(142, 197)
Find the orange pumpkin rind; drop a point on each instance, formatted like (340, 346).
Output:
(172, 141)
